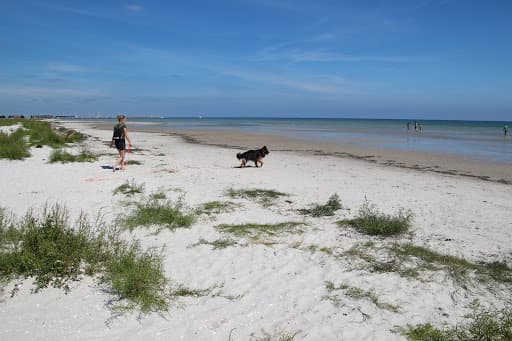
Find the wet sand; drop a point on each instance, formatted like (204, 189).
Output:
(422, 161)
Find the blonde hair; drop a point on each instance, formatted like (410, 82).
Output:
(120, 117)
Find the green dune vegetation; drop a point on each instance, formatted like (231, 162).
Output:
(15, 146)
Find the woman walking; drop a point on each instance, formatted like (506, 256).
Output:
(119, 139)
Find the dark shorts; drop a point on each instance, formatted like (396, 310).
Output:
(120, 144)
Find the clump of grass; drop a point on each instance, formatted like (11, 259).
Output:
(137, 277)
(42, 133)
(264, 197)
(328, 209)
(8, 122)
(53, 252)
(410, 260)
(182, 291)
(371, 221)
(277, 336)
(168, 214)
(14, 146)
(133, 162)
(254, 231)
(129, 188)
(316, 248)
(358, 294)
(39, 133)
(158, 196)
(49, 250)
(483, 325)
(216, 244)
(458, 268)
(62, 156)
(216, 207)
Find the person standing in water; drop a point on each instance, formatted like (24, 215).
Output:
(119, 139)
(505, 129)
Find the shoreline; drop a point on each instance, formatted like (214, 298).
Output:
(421, 161)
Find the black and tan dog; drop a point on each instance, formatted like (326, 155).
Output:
(253, 155)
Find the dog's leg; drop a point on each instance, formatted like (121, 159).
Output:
(256, 163)
(261, 163)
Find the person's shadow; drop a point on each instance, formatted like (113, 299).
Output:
(107, 167)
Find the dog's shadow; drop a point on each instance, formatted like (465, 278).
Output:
(247, 166)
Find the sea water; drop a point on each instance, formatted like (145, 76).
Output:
(482, 140)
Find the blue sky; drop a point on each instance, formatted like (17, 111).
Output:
(444, 59)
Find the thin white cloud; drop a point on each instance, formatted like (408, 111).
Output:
(68, 68)
(299, 56)
(323, 85)
(135, 8)
(30, 91)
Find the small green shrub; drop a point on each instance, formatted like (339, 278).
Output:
(328, 209)
(371, 221)
(168, 214)
(129, 188)
(62, 156)
(264, 197)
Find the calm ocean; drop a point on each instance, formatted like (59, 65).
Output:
(482, 140)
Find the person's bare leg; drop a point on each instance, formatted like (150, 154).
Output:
(119, 159)
(123, 164)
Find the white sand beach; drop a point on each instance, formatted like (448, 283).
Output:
(261, 289)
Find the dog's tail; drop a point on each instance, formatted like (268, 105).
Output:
(239, 156)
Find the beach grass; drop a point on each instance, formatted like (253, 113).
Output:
(316, 248)
(276, 336)
(55, 253)
(160, 195)
(14, 146)
(482, 325)
(328, 209)
(134, 162)
(217, 244)
(48, 249)
(265, 197)
(358, 294)
(254, 231)
(372, 222)
(42, 133)
(59, 155)
(216, 207)
(458, 268)
(170, 215)
(136, 277)
(5, 122)
(183, 291)
(129, 188)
